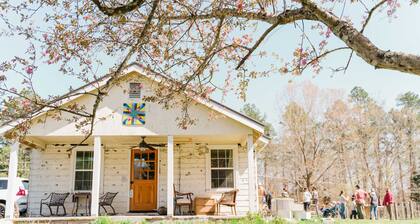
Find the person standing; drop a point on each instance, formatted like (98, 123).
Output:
(306, 199)
(360, 202)
(342, 205)
(285, 192)
(315, 197)
(388, 201)
(374, 201)
(353, 214)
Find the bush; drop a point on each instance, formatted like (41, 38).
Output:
(107, 220)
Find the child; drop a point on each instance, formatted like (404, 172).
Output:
(353, 214)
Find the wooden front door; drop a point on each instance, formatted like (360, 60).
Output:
(143, 180)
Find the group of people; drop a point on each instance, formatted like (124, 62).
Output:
(358, 200)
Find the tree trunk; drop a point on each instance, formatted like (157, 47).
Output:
(401, 192)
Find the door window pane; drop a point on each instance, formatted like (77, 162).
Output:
(144, 166)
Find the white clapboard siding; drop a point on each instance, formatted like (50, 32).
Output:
(117, 176)
(51, 171)
(190, 175)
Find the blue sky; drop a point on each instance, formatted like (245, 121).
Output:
(401, 34)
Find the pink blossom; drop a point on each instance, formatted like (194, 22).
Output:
(322, 44)
(240, 5)
(26, 103)
(29, 70)
(328, 33)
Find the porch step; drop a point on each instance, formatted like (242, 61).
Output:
(129, 217)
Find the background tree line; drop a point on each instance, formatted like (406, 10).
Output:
(333, 142)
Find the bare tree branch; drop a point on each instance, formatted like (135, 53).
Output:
(371, 13)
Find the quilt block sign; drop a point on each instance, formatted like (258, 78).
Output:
(134, 114)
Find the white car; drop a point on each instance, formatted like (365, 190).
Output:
(21, 195)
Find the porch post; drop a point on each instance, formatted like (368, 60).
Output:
(251, 174)
(96, 176)
(170, 177)
(11, 181)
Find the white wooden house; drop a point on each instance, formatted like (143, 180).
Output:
(107, 162)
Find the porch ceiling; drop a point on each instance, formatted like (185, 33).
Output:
(133, 140)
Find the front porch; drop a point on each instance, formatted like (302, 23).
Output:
(182, 162)
(132, 218)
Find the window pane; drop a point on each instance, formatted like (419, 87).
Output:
(79, 160)
(213, 163)
(228, 153)
(221, 153)
(88, 161)
(152, 156)
(3, 184)
(83, 180)
(25, 184)
(222, 163)
(229, 162)
(143, 175)
(213, 154)
(151, 165)
(214, 174)
(222, 178)
(138, 167)
(151, 175)
(144, 156)
(84, 160)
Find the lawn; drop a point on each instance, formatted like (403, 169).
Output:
(255, 219)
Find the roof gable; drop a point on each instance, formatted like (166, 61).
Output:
(138, 69)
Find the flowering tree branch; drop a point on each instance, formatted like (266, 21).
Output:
(119, 10)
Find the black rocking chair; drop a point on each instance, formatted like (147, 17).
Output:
(54, 199)
(106, 200)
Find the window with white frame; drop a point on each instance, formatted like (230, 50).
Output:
(83, 171)
(221, 165)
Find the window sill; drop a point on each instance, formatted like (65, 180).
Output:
(221, 190)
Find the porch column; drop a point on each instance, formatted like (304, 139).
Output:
(170, 177)
(11, 181)
(252, 179)
(96, 176)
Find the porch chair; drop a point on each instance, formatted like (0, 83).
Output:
(106, 200)
(54, 199)
(227, 199)
(183, 199)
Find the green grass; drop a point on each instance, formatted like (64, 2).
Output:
(257, 219)
(348, 221)
(417, 221)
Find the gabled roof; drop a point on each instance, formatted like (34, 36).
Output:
(135, 67)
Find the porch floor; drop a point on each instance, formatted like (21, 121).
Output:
(132, 217)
